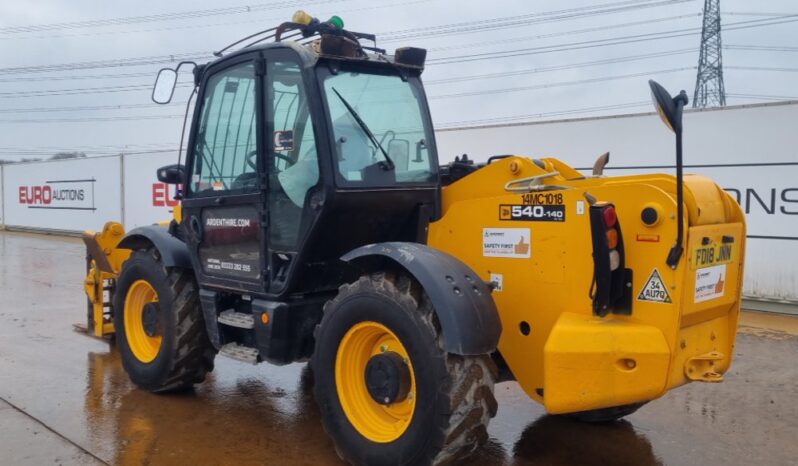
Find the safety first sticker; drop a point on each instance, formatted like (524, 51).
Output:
(654, 290)
(710, 283)
(507, 242)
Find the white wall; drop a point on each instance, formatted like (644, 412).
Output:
(756, 134)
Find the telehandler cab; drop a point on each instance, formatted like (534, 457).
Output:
(316, 224)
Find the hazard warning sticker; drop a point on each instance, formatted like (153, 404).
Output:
(654, 290)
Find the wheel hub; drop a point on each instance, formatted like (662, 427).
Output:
(387, 378)
(151, 319)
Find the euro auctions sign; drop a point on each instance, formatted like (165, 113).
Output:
(63, 195)
(66, 194)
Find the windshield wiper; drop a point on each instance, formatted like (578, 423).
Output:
(366, 129)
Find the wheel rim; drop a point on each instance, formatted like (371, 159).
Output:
(377, 422)
(144, 347)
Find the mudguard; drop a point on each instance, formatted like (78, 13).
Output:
(174, 252)
(463, 304)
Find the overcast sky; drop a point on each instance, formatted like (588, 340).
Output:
(34, 121)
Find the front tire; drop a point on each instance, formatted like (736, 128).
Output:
(436, 414)
(160, 329)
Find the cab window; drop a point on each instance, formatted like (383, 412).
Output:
(225, 147)
(392, 110)
(293, 160)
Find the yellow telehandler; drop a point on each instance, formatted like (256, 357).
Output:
(316, 224)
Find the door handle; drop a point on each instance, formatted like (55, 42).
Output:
(196, 228)
(218, 201)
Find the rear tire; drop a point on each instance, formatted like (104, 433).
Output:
(176, 353)
(452, 396)
(613, 413)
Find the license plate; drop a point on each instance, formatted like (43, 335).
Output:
(713, 254)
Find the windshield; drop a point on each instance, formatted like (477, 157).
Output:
(380, 129)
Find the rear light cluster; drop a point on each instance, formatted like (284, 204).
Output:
(613, 234)
(610, 291)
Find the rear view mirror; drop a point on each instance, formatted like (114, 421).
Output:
(172, 174)
(399, 152)
(669, 108)
(164, 86)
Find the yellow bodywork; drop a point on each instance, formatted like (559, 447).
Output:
(105, 262)
(562, 355)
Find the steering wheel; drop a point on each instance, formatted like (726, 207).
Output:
(253, 164)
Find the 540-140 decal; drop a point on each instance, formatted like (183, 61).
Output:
(541, 213)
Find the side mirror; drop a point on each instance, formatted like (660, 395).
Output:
(172, 174)
(164, 86)
(669, 108)
(399, 152)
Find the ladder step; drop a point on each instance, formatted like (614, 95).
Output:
(240, 353)
(236, 319)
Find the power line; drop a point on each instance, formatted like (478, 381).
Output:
(83, 108)
(762, 97)
(762, 48)
(562, 33)
(94, 119)
(190, 14)
(470, 27)
(163, 59)
(761, 68)
(172, 28)
(81, 90)
(754, 13)
(600, 42)
(112, 63)
(607, 61)
(76, 78)
(558, 84)
(515, 119)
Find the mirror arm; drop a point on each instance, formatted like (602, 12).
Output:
(677, 250)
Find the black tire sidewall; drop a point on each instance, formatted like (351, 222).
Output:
(424, 434)
(143, 266)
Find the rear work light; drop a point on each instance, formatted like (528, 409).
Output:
(611, 289)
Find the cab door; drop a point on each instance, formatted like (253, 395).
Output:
(292, 165)
(222, 208)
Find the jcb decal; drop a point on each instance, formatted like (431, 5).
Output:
(540, 213)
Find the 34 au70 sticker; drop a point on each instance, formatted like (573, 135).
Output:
(654, 290)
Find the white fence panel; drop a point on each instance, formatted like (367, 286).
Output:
(147, 200)
(68, 195)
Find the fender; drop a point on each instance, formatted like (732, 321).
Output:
(463, 304)
(174, 252)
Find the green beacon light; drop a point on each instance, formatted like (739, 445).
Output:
(336, 21)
